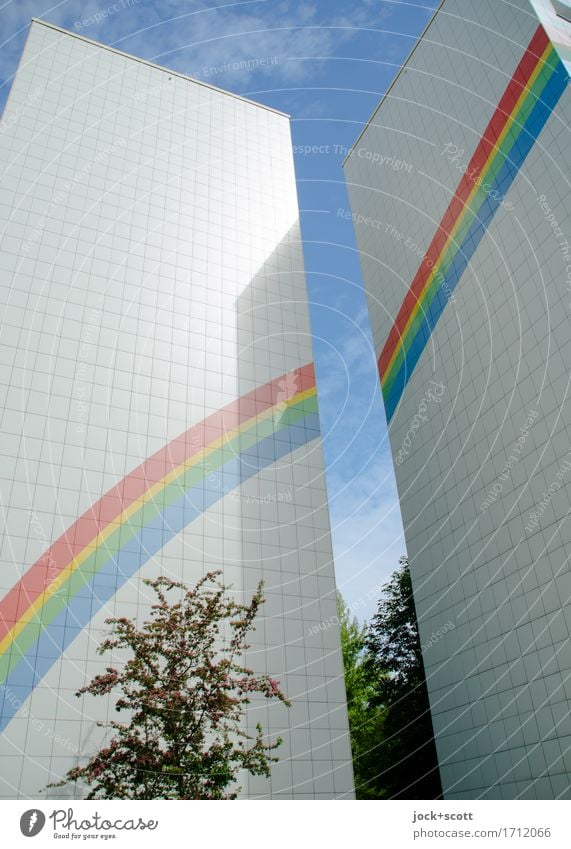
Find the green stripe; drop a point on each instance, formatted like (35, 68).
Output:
(81, 576)
(447, 258)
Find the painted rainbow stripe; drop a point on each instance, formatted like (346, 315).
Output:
(54, 600)
(528, 101)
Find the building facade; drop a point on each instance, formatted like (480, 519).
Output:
(459, 185)
(159, 407)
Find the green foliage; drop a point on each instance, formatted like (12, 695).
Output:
(365, 720)
(394, 756)
(184, 690)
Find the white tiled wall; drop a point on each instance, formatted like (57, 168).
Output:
(500, 678)
(152, 272)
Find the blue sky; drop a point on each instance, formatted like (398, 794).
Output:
(327, 64)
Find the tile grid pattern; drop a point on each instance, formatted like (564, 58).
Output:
(481, 433)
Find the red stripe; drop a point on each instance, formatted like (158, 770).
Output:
(485, 147)
(112, 504)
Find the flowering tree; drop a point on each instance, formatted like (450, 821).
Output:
(186, 690)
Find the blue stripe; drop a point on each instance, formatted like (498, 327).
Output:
(530, 131)
(68, 624)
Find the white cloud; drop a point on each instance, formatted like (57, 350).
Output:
(290, 32)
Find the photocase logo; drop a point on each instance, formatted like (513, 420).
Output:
(32, 822)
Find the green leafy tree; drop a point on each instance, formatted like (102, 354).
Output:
(365, 720)
(185, 691)
(407, 765)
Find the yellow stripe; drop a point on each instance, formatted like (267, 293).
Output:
(509, 123)
(123, 517)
